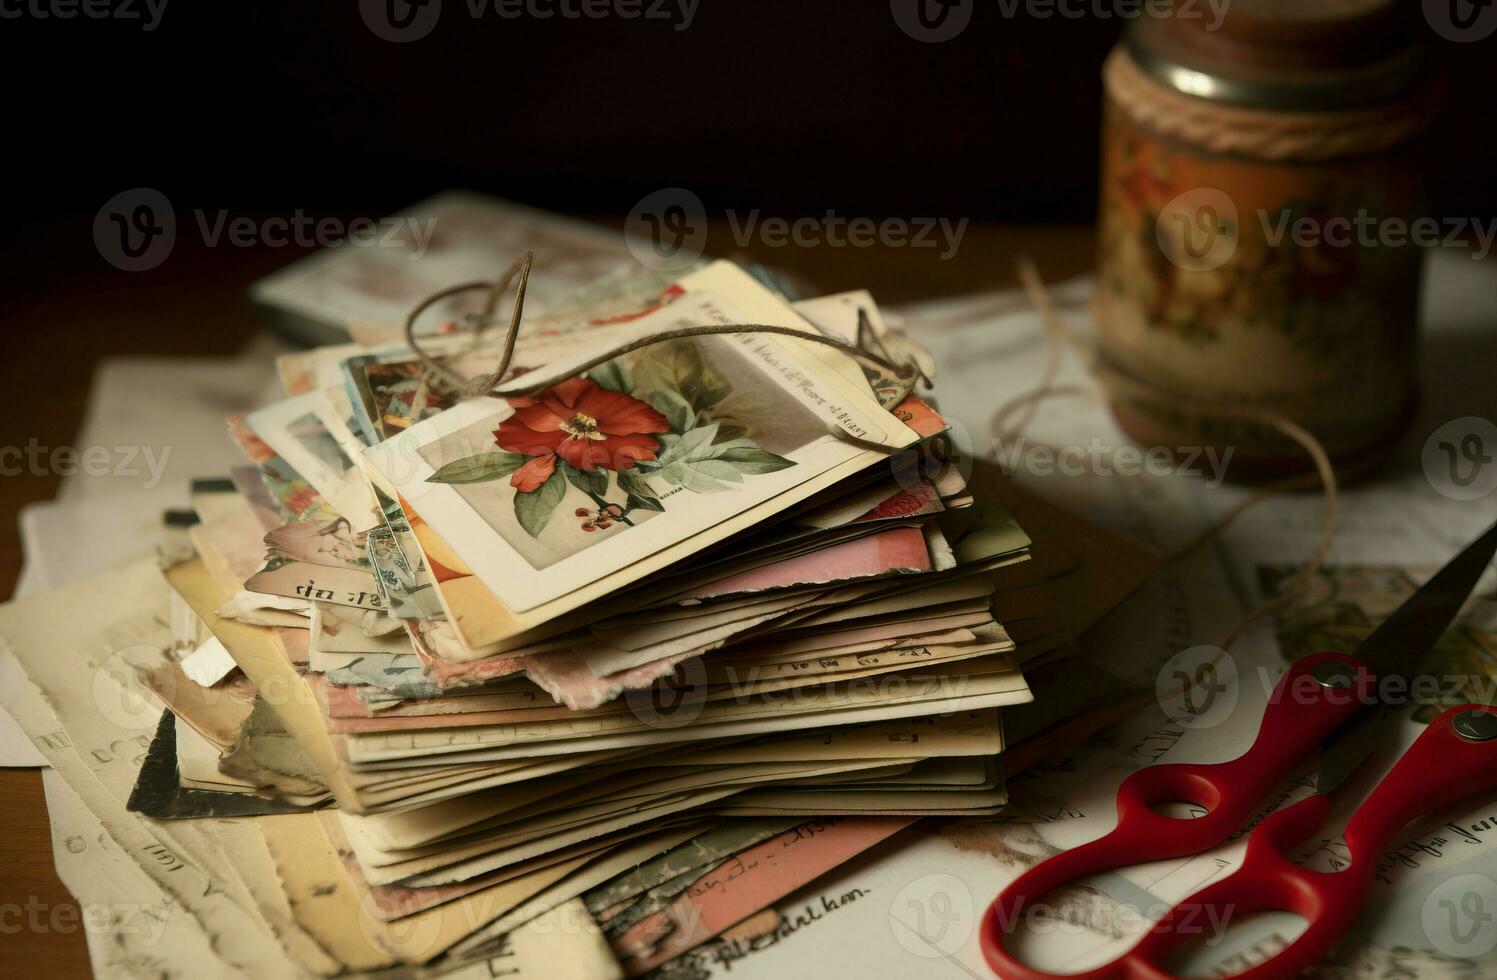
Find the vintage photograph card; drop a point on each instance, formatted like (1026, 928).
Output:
(544, 493)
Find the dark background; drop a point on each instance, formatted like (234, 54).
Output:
(792, 106)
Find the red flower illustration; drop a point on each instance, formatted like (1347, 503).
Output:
(585, 424)
(301, 499)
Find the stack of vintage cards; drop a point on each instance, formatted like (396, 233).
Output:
(564, 683)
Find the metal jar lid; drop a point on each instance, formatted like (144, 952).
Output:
(1293, 55)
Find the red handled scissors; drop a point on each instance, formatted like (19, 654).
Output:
(1333, 700)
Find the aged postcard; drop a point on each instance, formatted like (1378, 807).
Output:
(543, 494)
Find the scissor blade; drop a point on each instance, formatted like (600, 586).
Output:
(1417, 625)
(1397, 645)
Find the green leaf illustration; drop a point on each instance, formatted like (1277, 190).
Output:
(595, 483)
(613, 375)
(694, 460)
(479, 469)
(694, 478)
(728, 427)
(694, 444)
(751, 459)
(680, 463)
(676, 409)
(640, 496)
(717, 469)
(533, 510)
(678, 365)
(697, 463)
(632, 502)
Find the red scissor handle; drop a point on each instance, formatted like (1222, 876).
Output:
(1300, 714)
(1440, 768)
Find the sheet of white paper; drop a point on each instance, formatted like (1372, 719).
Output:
(67, 540)
(16, 750)
(162, 419)
(134, 929)
(208, 664)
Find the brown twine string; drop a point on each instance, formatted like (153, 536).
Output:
(903, 376)
(1115, 382)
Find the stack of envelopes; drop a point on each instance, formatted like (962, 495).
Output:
(497, 658)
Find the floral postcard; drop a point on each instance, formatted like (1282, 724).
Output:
(291, 495)
(542, 494)
(299, 432)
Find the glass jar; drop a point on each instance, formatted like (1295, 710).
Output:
(1259, 179)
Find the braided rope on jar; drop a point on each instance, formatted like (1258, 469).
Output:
(1267, 135)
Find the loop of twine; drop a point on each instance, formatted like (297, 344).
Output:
(904, 377)
(1115, 382)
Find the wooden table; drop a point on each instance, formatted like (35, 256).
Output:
(74, 311)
